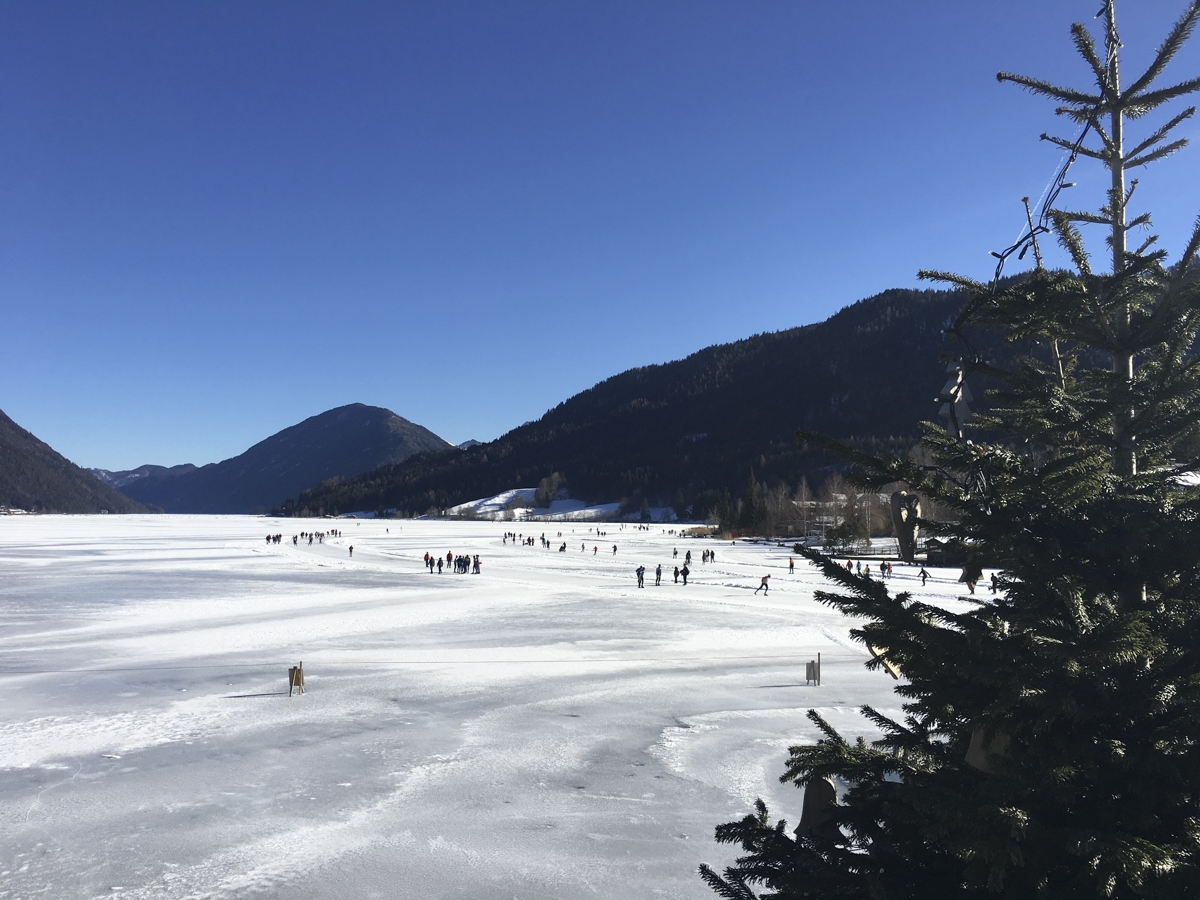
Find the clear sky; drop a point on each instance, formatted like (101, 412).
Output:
(217, 219)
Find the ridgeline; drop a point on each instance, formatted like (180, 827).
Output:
(687, 433)
(337, 443)
(36, 478)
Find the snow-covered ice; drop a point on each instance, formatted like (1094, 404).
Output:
(541, 730)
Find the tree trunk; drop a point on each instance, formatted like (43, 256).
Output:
(1124, 452)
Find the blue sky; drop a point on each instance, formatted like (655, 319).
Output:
(221, 218)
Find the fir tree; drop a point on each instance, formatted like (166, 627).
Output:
(1049, 746)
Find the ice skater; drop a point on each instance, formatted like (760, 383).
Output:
(640, 571)
(658, 575)
(764, 585)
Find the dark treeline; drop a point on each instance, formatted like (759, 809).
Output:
(834, 512)
(689, 433)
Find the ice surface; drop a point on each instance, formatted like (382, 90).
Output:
(542, 730)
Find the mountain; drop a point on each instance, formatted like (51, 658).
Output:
(119, 480)
(688, 432)
(36, 478)
(340, 443)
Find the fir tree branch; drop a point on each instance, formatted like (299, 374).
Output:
(831, 733)
(1162, 132)
(968, 284)
(730, 887)
(977, 294)
(1092, 218)
(1071, 241)
(1181, 298)
(883, 723)
(1098, 127)
(1193, 245)
(1153, 239)
(1070, 145)
(1175, 39)
(1045, 88)
(1087, 49)
(1147, 102)
(1157, 154)
(1081, 115)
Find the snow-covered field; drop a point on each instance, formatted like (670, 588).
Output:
(541, 730)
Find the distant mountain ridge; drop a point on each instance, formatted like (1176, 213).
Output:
(689, 432)
(338, 443)
(34, 477)
(118, 480)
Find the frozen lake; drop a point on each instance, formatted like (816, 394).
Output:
(544, 729)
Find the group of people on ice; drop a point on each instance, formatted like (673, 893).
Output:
(319, 536)
(526, 540)
(462, 564)
(706, 556)
(885, 568)
(640, 572)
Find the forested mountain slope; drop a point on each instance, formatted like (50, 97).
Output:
(36, 478)
(683, 432)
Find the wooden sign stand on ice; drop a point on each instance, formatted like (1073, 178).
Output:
(812, 671)
(296, 678)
